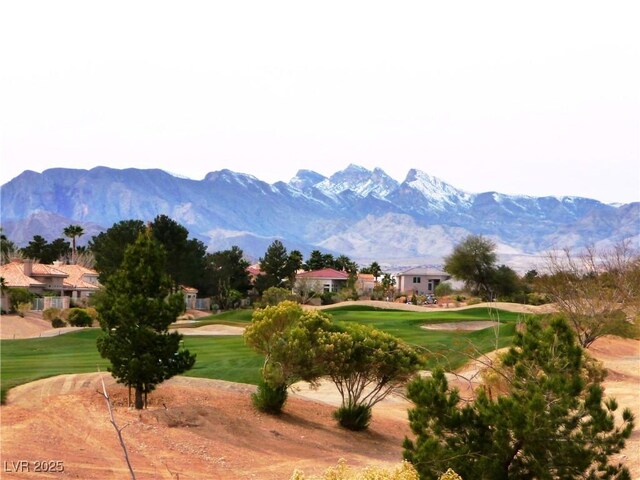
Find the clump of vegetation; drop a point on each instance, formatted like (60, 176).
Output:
(270, 398)
(79, 317)
(287, 336)
(23, 308)
(20, 299)
(50, 313)
(275, 295)
(403, 471)
(366, 365)
(57, 322)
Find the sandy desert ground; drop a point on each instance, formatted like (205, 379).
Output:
(198, 428)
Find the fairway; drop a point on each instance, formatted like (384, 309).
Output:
(227, 357)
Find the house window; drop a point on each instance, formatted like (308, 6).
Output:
(327, 287)
(416, 279)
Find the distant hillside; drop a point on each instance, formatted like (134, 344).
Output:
(364, 214)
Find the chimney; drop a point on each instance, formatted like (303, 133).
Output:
(28, 267)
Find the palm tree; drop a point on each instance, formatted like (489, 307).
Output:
(73, 231)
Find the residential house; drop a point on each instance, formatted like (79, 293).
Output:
(55, 285)
(80, 283)
(365, 284)
(420, 280)
(324, 280)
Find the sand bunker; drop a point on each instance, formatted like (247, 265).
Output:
(212, 330)
(479, 325)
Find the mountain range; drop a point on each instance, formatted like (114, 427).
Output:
(362, 213)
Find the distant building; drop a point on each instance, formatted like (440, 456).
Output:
(324, 280)
(420, 280)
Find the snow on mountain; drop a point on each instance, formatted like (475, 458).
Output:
(434, 189)
(360, 181)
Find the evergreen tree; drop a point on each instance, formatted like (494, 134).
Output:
(276, 266)
(228, 270)
(136, 309)
(108, 247)
(551, 423)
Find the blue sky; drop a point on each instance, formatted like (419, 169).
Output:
(536, 98)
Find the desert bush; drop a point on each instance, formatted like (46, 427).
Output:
(93, 313)
(443, 289)
(403, 471)
(355, 417)
(269, 398)
(23, 308)
(328, 298)
(57, 322)
(51, 313)
(275, 295)
(78, 317)
(474, 301)
(18, 296)
(537, 299)
(348, 294)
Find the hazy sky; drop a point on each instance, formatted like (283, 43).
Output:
(536, 98)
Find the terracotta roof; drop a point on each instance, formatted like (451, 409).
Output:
(188, 289)
(13, 274)
(43, 270)
(325, 273)
(366, 276)
(77, 277)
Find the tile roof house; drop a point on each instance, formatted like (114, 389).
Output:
(324, 280)
(420, 280)
(69, 282)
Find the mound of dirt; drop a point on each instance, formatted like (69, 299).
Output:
(194, 428)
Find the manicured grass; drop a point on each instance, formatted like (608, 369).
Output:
(451, 349)
(227, 357)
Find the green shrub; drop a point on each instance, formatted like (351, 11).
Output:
(58, 323)
(474, 301)
(443, 289)
(537, 299)
(268, 398)
(78, 317)
(51, 313)
(20, 295)
(355, 417)
(275, 295)
(328, 298)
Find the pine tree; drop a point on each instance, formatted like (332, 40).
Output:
(136, 309)
(552, 422)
